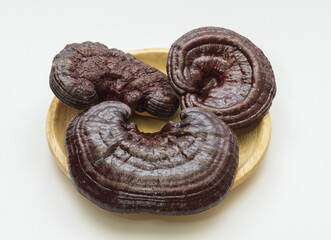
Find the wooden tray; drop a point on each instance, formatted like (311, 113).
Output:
(253, 141)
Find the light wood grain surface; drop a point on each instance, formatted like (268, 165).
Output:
(253, 141)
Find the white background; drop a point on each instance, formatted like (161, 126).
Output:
(288, 197)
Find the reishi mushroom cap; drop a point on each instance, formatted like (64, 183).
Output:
(84, 74)
(185, 168)
(221, 71)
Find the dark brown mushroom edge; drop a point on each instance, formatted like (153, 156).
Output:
(185, 168)
(84, 74)
(221, 71)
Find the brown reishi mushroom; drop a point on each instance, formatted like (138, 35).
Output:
(221, 71)
(88, 73)
(185, 168)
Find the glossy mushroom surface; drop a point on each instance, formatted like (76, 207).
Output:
(84, 74)
(221, 71)
(185, 168)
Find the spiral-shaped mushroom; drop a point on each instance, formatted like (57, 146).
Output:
(221, 71)
(187, 167)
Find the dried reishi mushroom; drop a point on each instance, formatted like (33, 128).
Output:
(185, 168)
(222, 71)
(88, 73)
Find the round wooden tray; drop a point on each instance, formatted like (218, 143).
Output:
(253, 140)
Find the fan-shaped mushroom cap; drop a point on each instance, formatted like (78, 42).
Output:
(185, 168)
(88, 73)
(219, 70)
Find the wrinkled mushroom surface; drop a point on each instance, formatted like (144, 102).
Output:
(88, 73)
(224, 72)
(185, 168)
